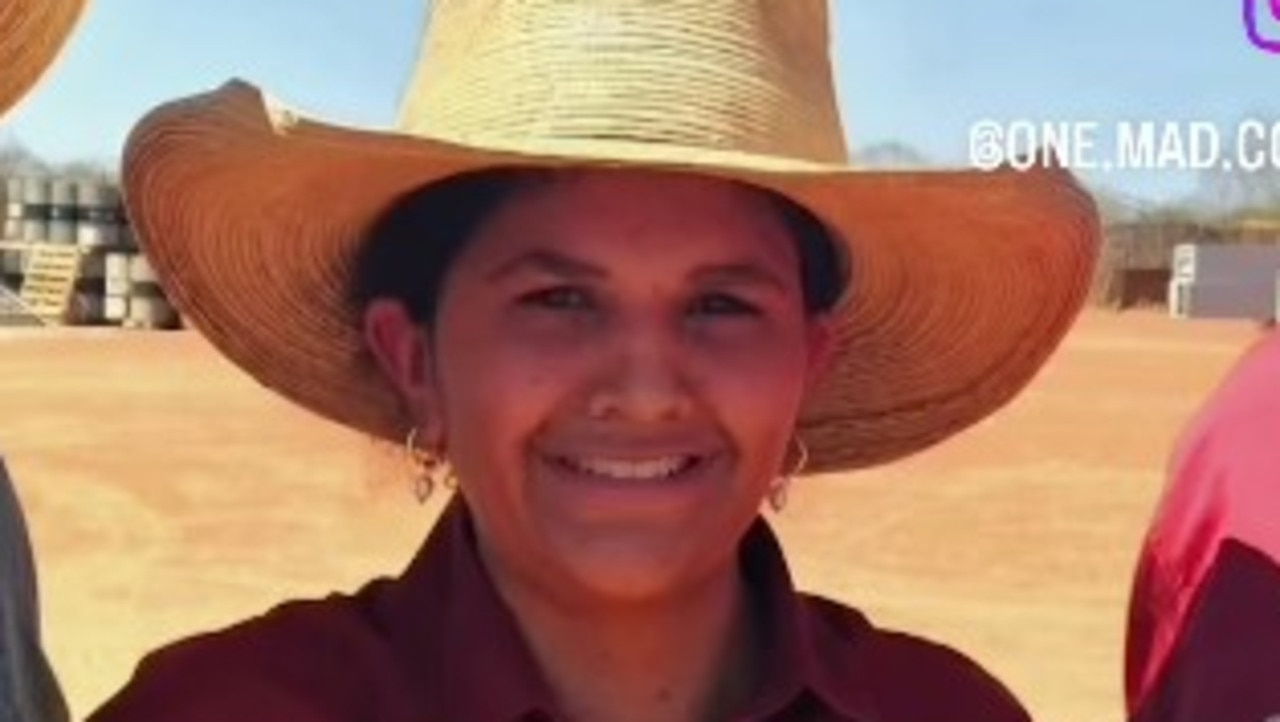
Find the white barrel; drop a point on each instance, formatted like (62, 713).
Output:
(140, 270)
(115, 308)
(88, 307)
(13, 209)
(13, 263)
(93, 266)
(116, 274)
(126, 234)
(151, 313)
(62, 211)
(142, 279)
(35, 209)
(98, 214)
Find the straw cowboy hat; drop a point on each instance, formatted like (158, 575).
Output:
(962, 283)
(31, 34)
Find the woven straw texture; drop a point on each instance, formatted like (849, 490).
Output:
(32, 32)
(963, 284)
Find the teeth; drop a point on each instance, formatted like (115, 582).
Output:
(618, 469)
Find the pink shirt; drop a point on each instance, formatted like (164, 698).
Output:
(1204, 625)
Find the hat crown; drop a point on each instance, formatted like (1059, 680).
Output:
(750, 76)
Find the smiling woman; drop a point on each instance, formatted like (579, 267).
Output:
(614, 277)
(658, 335)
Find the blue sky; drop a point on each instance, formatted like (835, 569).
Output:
(920, 72)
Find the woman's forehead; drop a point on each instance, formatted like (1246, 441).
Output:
(638, 215)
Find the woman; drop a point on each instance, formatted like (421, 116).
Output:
(32, 33)
(614, 282)
(1204, 617)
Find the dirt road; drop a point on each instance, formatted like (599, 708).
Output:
(169, 495)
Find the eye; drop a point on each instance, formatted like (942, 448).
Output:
(559, 297)
(723, 304)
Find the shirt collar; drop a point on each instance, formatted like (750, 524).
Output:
(816, 648)
(454, 636)
(463, 649)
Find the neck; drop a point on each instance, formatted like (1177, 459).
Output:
(690, 657)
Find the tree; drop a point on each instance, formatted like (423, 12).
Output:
(1236, 192)
(891, 155)
(17, 160)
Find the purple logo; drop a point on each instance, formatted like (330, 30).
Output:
(1271, 45)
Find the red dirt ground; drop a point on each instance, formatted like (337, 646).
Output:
(169, 495)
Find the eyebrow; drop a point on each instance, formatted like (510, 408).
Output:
(558, 264)
(546, 261)
(745, 273)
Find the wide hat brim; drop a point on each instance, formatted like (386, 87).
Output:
(32, 33)
(963, 283)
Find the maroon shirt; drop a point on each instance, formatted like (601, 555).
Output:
(438, 645)
(1204, 619)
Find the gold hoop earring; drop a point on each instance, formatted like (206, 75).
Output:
(431, 468)
(778, 489)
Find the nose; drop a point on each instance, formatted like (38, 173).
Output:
(644, 378)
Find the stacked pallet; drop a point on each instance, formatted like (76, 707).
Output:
(67, 252)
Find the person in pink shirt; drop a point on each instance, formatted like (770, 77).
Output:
(1204, 621)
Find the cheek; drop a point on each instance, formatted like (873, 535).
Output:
(754, 368)
(755, 390)
(497, 394)
(757, 393)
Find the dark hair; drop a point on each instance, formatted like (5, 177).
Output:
(399, 261)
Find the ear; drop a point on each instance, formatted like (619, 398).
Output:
(821, 342)
(403, 351)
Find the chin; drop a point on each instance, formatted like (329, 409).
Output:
(637, 567)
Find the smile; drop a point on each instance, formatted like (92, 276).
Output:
(654, 469)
